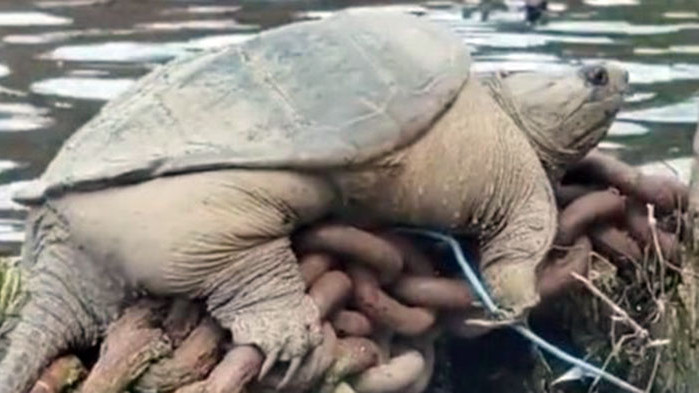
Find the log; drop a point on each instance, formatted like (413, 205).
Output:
(182, 317)
(330, 291)
(190, 362)
(433, 292)
(232, 374)
(132, 344)
(567, 193)
(62, 374)
(393, 377)
(352, 323)
(616, 244)
(314, 265)
(579, 215)
(667, 193)
(356, 246)
(382, 308)
(426, 347)
(555, 274)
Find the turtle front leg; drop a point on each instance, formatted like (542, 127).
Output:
(511, 258)
(261, 299)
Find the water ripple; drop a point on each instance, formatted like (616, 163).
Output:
(6, 192)
(683, 112)
(65, 35)
(401, 8)
(640, 97)
(82, 88)
(526, 40)
(69, 3)
(23, 117)
(614, 27)
(611, 3)
(680, 15)
(116, 52)
(203, 10)
(205, 24)
(32, 18)
(214, 41)
(11, 231)
(6, 165)
(623, 128)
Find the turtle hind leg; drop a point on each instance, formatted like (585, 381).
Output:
(262, 300)
(69, 303)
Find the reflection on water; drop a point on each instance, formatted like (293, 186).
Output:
(116, 52)
(32, 19)
(615, 27)
(7, 165)
(82, 88)
(60, 60)
(683, 112)
(23, 117)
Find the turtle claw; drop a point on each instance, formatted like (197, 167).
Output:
(282, 332)
(294, 366)
(270, 361)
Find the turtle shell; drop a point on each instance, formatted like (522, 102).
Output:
(311, 95)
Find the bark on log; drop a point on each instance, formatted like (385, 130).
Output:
(357, 246)
(182, 317)
(132, 344)
(190, 362)
(238, 367)
(382, 308)
(63, 373)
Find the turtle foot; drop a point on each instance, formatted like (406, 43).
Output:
(513, 287)
(284, 333)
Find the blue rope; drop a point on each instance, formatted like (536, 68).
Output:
(471, 276)
(520, 328)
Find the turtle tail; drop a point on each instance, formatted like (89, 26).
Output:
(68, 303)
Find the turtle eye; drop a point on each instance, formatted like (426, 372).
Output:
(597, 75)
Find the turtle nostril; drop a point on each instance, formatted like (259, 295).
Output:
(598, 76)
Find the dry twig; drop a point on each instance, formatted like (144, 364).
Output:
(623, 315)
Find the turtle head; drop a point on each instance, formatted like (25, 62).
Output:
(564, 114)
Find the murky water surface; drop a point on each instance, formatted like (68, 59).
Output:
(60, 60)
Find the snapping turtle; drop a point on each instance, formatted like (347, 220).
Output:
(191, 183)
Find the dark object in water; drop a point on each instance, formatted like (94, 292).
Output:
(534, 10)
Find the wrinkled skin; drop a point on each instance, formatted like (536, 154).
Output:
(563, 120)
(223, 236)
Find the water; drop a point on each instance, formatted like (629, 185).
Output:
(60, 60)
